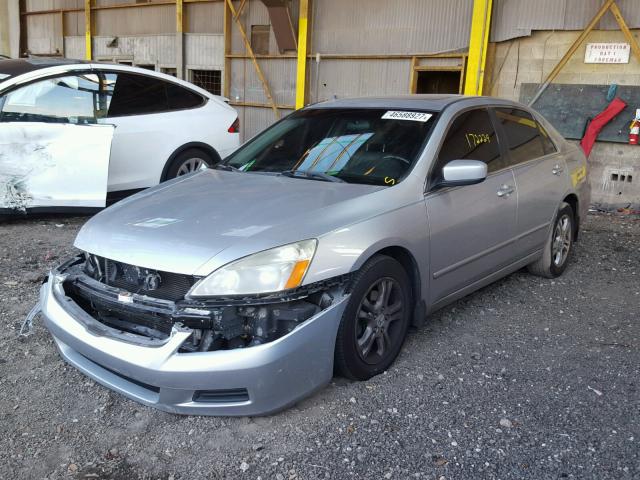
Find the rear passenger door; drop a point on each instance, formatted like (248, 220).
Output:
(539, 173)
(472, 228)
(149, 115)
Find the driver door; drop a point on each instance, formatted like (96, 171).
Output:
(52, 152)
(472, 228)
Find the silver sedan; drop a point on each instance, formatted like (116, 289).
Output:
(312, 249)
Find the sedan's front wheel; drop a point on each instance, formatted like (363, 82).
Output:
(556, 252)
(375, 321)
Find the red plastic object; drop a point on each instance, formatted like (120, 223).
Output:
(598, 123)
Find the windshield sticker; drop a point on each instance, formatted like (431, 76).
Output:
(413, 116)
(156, 222)
(333, 153)
(389, 181)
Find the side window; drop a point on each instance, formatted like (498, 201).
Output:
(136, 95)
(471, 137)
(523, 137)
(68, 99)
(180, 98)
(547, 144)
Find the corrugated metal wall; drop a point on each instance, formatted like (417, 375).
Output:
(135, 21)
(158, 50)
(383, 27)
(357, 78)
(518, 18)
(35, 5)
(204, 51)
(339, 27)
(204, 17)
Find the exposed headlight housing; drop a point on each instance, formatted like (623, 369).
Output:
(281, 268)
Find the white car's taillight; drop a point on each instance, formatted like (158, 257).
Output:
(235, 126)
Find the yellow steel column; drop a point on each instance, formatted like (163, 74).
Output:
(179, 40)
(301, 72)
(226, 87)
(478, 40)
(87, 29)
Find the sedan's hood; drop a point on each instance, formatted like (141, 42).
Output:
(180, 225)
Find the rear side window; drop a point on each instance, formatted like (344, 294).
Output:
(523, 138)
(547, 144)
(180, 98)
(471, 137)
(132, 94)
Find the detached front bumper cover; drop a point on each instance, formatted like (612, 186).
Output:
(157, 372)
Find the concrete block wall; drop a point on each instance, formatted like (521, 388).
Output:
(530, 59)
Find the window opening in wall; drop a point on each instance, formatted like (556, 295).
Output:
(260, 39)
(438, 81)
(210, 80)
(146, 66)
(169, 71)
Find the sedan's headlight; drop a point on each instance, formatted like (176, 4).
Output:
(280, 268)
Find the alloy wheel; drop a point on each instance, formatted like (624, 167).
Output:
(190, 165)
(561, 241)
(378, 328)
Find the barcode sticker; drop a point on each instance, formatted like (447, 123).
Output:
(413, 116)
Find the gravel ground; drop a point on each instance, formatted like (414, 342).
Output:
(527, 378)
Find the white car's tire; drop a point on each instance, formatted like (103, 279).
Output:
(188, 161)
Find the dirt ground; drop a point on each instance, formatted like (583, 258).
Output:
(527, 378)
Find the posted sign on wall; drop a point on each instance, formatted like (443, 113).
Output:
(607, 53)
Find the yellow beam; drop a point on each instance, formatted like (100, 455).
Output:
(572, 49)
(179, 16)
(413, 75)
(478, 40)
(240, 8)
(87, 30)
(301, 71)
(625, 29)
(227, 50)
(247, 44)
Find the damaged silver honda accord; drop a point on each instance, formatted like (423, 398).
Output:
(240, 290)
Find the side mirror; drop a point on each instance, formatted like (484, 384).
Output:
(463, 172)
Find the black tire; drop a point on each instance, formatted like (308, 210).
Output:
(553, 262)
(194, 156)
(359, 318)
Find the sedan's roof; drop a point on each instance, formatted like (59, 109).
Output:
(422, 102)
(19, 66)
(429, 102)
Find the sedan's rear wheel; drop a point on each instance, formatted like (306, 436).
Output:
(556, 252)
(375, 321)
(189, 161)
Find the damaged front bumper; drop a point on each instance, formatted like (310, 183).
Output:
(159, 372)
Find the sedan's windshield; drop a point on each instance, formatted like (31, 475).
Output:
(373, 146)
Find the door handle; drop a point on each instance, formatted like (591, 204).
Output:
(504, 191)
(557, 170)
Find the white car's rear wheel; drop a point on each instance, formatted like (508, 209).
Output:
(189, 161)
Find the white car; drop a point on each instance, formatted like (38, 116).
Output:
(72, 131)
